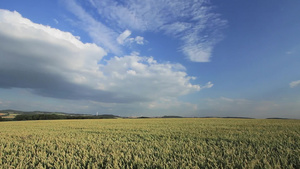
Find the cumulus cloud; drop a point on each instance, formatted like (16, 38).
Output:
(56, 64)
(144, 76)
(294, 84)
(191, 22)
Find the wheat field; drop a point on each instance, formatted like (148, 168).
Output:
(151, 143)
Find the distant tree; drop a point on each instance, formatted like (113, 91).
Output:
(19, 117)
(1, 118)
(56, 116)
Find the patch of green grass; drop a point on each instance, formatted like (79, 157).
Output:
(10, 116)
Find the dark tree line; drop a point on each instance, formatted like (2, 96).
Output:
(56, 117)
(5, 119)
(38, 117)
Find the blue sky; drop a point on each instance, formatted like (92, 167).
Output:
(151, 58)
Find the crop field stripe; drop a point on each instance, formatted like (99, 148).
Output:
(151, 143)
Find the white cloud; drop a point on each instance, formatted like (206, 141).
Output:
(123, 36)
(207, 86)
(177, 28)
(139, 40)
(192, 22)
(144, 76)
(23, 42)
(56, 64)
(197, 53)
(295, 83)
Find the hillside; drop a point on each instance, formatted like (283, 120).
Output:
(43, 115)
(10, 114)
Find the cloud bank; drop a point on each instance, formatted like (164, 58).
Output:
(233, 107)
(56, 64)
(191, 22)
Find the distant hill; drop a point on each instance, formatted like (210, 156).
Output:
(171, 117)
(9, 111)
(238, 117)
(11, 114)
(44, 115)
(277, 118)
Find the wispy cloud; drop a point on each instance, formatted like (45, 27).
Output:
(56, 21)
(123, 36)
(101, 34)
(208, 85)
(192, 22)
(139, 40)
(294, 84)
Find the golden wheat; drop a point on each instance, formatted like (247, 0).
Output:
(151, 143)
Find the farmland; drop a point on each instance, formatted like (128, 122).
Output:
(151, 143)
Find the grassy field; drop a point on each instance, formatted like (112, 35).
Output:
(10, 116)
(151, 143)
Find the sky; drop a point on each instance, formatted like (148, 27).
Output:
(192, 58)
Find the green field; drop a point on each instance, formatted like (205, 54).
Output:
(151, 143)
